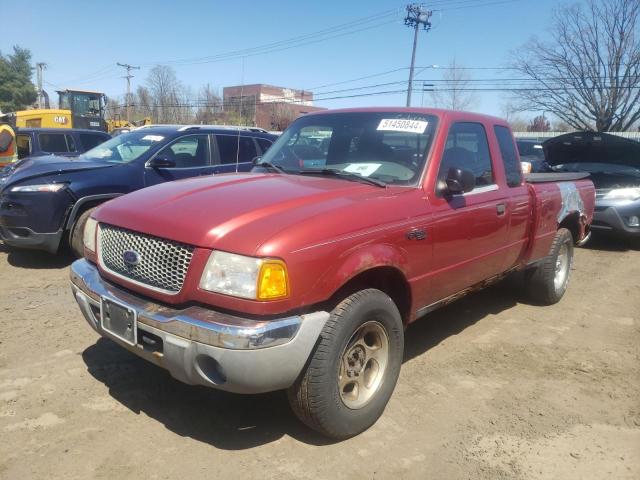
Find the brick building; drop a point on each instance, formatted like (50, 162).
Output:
(267, 106)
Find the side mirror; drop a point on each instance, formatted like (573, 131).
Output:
(256, 160)
(161, 162)
(460, 181)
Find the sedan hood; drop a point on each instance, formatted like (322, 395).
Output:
(46, 165)
(239, 212)
(591, 147)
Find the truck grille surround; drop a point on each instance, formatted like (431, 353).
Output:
(150, 261)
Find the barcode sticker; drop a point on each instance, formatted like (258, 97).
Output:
(402, 125)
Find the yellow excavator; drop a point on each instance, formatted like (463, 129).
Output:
(77, 109)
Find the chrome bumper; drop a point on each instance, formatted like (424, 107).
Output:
(199, 346)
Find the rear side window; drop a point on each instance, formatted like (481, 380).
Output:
(512, 167)
(90, 140)
(467, 148)
(228, 145)
(56, 143)
(264, 144)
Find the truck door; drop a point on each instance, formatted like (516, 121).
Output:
(470, 230)
(190, 156)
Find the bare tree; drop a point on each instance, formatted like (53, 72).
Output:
(588, 73)
(539, 124)
(280, 115)
(453, 93)
(167, 94)
(209, 105)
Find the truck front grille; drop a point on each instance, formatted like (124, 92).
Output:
(151, 261)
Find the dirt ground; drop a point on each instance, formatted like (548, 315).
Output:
(491, 388)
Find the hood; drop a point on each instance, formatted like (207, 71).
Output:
(591, 147)
(46, 165)
(240, 212)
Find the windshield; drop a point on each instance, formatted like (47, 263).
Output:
(594, 167)
(124, 148)
(387, 146)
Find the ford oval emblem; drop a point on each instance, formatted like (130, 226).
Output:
(131, 258)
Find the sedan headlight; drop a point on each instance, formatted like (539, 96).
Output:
(246, 277)
(89, 234)
(631, 193)
(45, 187)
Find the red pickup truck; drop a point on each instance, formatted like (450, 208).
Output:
(303, 274)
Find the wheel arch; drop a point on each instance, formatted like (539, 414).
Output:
(576, 223)
(387, 278)
(85, 203)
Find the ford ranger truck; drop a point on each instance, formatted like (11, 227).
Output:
(303, 273)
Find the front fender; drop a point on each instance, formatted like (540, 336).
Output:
(356, 261)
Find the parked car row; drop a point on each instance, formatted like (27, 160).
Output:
(45, 200)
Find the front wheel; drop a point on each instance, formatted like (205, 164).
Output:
(77, 233)
(547, 282)
(352, 372)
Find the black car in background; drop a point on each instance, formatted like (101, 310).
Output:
(68, 142)
(614, 166)
(531, 151)
(45, 201)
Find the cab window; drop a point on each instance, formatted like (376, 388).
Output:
(512, 167)
(467, 148)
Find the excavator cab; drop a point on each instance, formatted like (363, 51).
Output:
(87, 108)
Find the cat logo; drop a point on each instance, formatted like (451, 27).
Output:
(60, 119)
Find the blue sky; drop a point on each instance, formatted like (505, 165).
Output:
(81, 41)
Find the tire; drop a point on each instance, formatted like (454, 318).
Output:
(77, 231)
(331, 396)
(547, 281)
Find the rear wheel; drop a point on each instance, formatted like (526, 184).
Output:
(547, 282)
(77, 231)
(353, 370)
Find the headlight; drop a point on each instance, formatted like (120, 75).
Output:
(89, 234)
(246, 277)
(632, 193)
(45, 187)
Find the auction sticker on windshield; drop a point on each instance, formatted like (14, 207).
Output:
(363, 169)
(402, 125)
(153, 138)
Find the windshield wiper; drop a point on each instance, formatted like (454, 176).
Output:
(343, 174)
(271, 166)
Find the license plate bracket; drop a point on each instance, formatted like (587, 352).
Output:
(119, 320)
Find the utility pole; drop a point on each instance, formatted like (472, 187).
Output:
(128, 76)
(40, 66)
(416, 16)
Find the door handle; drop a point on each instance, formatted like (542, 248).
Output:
(500, 209)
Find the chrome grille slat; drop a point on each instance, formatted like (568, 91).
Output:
(163, 263)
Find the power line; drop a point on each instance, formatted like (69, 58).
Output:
(292, 42)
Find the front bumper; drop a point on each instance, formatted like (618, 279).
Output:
(199, 346)
(33, 220)
(615, 218)
(24, 237)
